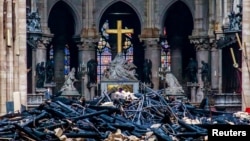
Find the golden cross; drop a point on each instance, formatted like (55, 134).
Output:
(119, 31)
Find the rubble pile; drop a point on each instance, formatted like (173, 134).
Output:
(149, 117)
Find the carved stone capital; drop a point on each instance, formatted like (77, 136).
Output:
(212, 42)
(46, 38)
(86, 43)
(150, 33)
(38, 40)
(150, 42)
(200, 42)
(89, 33)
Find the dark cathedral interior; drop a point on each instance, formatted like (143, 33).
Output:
(95, 70)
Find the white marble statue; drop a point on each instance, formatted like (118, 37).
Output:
(69, 82)
(120, 69)
(174, 86)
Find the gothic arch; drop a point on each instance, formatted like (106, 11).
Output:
(74, 11)
(62, 23)
(188, 3)
(130, 20)
(102, 11)
(179, 24)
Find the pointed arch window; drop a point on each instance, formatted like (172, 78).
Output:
(104, 54)
(66, 60)
(165, 55)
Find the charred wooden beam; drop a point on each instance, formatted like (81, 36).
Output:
(90, 115)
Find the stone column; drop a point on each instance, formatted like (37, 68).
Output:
(199, 25)
(33, 70)
(40, 52)
(214, 69)
(40, 57)
(246, 41)
(13, 70)
(43, 11)
(59, 64)
(150, 36)
(4, 67)
(86, 47)
(213, 27)
(87, 52)
(201, 44)
(153, 52)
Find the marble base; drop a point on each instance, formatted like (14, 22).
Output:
(70, 93)
(50, 85)
(41, 90)
(229, 101)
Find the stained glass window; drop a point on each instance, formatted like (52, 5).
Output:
(104, 57)
(104, 54)
(165, 55)
(51, 53)
(66, 60)
(128, 50)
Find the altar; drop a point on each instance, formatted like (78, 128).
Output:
(112, 86)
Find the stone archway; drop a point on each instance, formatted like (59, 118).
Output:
(178, 23)
(124, 12)
(62, 24)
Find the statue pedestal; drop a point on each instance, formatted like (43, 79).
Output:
(50, 86)
(40, 90)
(194, 91)
(70, 93)
(112, 86)
(91, 92)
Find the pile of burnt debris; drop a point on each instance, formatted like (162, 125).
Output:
(144, 117)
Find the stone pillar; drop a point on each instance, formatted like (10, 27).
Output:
(41, 48)
(40, 52)
(246, 41)
(201, 44)
(150, 36)
(33, 70)
(87, 49)
(214, 69)
(199, 25)
(43, 8)
(87, 52)
(13, 70)
(193, 94)
(3, 64)
(153, 52)
(59, 65)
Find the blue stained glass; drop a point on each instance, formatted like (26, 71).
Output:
(66, 51)
(165, 57)
(51, 52)
(66, 60)
(103, 59)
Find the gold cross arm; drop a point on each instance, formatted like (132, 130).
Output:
(119, 31)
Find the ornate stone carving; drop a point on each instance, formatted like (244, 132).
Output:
(200, 42)
(33, 21)
(212, 43)
(151, 42)
(37, 40)
(235, 20)
(226, 40)
(86, 43)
